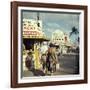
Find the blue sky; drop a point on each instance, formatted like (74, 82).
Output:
(53, 21)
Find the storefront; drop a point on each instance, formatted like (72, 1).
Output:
(34, 44)
(33, 36)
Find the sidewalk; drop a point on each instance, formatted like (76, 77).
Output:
(40, 73)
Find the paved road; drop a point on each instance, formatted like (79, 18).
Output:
(68, 65)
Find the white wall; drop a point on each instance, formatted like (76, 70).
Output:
(5, 46)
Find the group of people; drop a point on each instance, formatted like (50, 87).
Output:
(48, 59)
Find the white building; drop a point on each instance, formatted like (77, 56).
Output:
(62, 39)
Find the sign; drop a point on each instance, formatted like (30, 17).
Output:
(31, 28)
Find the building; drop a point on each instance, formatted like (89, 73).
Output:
(62, 39)
(33, 36)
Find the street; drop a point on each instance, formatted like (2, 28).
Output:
(69, 64)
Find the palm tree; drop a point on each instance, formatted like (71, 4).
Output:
(78, 39)
(74, 31)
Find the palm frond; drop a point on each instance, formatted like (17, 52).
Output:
(74, 31)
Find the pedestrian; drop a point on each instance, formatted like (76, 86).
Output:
(44, 48)
(51, 59)
(43, 62)
(29, 63)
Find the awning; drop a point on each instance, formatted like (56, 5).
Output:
(37, 39)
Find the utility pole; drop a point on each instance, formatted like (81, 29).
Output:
(38, 24)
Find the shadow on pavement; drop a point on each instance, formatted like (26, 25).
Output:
(37, 72)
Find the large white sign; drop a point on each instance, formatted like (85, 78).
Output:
(31, 28)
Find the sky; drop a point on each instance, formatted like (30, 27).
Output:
(52, 21)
